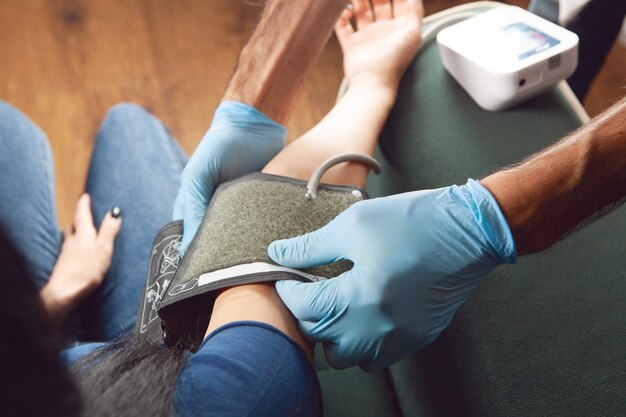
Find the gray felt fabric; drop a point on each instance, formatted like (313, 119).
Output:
(244, 217)
(248, 214)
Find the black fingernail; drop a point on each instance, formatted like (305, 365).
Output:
(116, 212)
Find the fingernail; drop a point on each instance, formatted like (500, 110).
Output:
(116, 212)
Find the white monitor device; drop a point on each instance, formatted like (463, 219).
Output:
(507, 55)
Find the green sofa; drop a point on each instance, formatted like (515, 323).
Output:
(545, 337)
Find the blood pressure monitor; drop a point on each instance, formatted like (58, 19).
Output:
(507, 55)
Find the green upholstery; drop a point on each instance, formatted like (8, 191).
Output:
(546, 337)
(352, 392)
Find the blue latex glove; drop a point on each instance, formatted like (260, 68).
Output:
(417, 258)
(240, 140)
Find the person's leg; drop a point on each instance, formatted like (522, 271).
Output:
(136, 165)
(27, 202)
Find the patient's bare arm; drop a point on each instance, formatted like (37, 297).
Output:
(376, 55)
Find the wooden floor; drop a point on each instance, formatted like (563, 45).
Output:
(64, 62)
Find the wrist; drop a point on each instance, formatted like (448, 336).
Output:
(378, 89)
(56, 303)
(488, 217)
(238, 115)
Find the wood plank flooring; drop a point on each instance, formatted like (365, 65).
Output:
(65, 62)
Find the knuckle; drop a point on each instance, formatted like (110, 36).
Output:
(301, 247)
(337, 356)
(373, 293)
(358, 213)
(371, 298)
(309, 241)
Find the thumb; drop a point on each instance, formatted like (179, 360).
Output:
(305, 251)
(109, 228)
(192, 200)
(339, 357)
(194, 211)
(313, 301)
(179, 206)
(321, 309)
(335, 350)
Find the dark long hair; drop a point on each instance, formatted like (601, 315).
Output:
(133, 376)
(33, 381)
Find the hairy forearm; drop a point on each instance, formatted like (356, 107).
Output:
(568, 184)
(281, 53)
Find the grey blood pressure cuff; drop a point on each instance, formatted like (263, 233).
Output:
(230, 248)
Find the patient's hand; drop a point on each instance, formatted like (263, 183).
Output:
(84, 261)
(386, 40)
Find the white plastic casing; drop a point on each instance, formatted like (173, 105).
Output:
(496, 67)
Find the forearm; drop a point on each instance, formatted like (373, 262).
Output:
(281, 53)
(353, 125)
(357, 120)
(553, 192)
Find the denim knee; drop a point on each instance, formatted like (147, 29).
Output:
(121, 111)
(127, 122)
(133, 129)
(126, 114)
(19, 136)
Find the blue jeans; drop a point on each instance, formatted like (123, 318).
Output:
(136, 165)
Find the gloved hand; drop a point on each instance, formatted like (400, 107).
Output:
(417, 258)
(240, 140)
